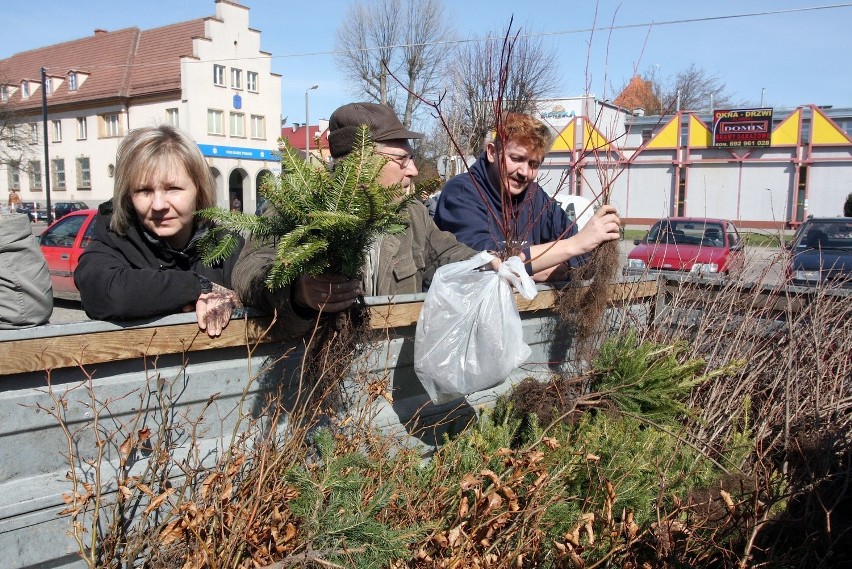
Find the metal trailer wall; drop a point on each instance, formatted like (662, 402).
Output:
(215, 381)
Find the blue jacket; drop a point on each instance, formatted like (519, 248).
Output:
(471, 207)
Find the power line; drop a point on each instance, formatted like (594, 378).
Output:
(581, 30)
(489, 38)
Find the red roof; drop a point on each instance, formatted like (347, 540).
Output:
(638, 94)
(296, 137)
(123, 63)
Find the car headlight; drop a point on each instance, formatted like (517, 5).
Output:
(810, 276)
(704, 268)
(635, 264)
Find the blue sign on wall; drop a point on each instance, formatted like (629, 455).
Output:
(236, 152)
(238, 102)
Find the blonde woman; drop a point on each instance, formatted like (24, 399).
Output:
(144, 260)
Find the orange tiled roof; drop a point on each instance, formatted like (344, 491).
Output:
(123, 63)
(638, 94)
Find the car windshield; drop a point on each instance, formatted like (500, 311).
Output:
(827, 234)
(684, 232)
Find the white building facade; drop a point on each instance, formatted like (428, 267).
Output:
(208, 77)
(652, 167)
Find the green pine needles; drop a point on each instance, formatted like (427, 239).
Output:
(322, 219)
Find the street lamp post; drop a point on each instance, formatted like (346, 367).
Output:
(307, 125)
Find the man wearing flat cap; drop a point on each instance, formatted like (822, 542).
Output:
(396, 264)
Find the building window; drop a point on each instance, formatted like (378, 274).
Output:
(57, 167)
(172, 117)
(236, 78)
(251, 81)
(219, 75)
(25, 89)
(4, 93)
(681, 192)
(34, 132)
(82, 128)
(48, 85)
(647, 133)
(14, 176)
(111, 126)
(258, 126)
(238, 124)
(84, 176)
(72, 81)
(214, 122)
(13, 134)
(57, 131)
(35, 175)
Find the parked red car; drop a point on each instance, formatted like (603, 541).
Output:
(688, 245)
(62, 244)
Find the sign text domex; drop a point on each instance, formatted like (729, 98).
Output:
(742, 127)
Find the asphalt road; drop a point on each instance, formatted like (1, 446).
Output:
(762, 264)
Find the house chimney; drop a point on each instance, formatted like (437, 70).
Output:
(99, 31)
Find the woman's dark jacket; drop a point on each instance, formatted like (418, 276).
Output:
(139, 276)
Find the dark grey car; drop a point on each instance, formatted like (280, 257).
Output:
(61, 209)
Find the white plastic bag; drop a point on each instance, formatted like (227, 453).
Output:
(469, 335)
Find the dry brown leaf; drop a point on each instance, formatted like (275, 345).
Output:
(576, 561)
(289, 532)
(535, 456)
(588, 521)
(455, 536)
(510, 495)
(491, 476)
(125, 448)
(504, 452)
(155, 503)
(144, 434)
(441, 540)
(493, 500)
(469, 481)
(550, 443)
(171, 533)
(144, 488)
(208, 482)
(464, 507)
(592, 457)
(540, 480)
(729, 502)
(226, 492)
(125, 491)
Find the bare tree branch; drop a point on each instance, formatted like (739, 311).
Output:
(404, 38)
(521, 74)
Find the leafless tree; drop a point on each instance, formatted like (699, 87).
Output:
(508, 71)
(15, 147)
(698, 89)
(405, 39)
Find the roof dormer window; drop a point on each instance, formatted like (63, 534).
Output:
(4, 93)
(72, 81)
(25, 89)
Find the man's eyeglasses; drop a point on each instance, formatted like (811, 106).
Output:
(402, 159)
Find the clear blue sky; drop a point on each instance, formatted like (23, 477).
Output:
(799, 57)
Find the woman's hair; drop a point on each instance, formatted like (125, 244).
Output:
(524, 130)
(143, 152)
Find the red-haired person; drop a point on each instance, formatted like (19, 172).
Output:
(498, 200)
